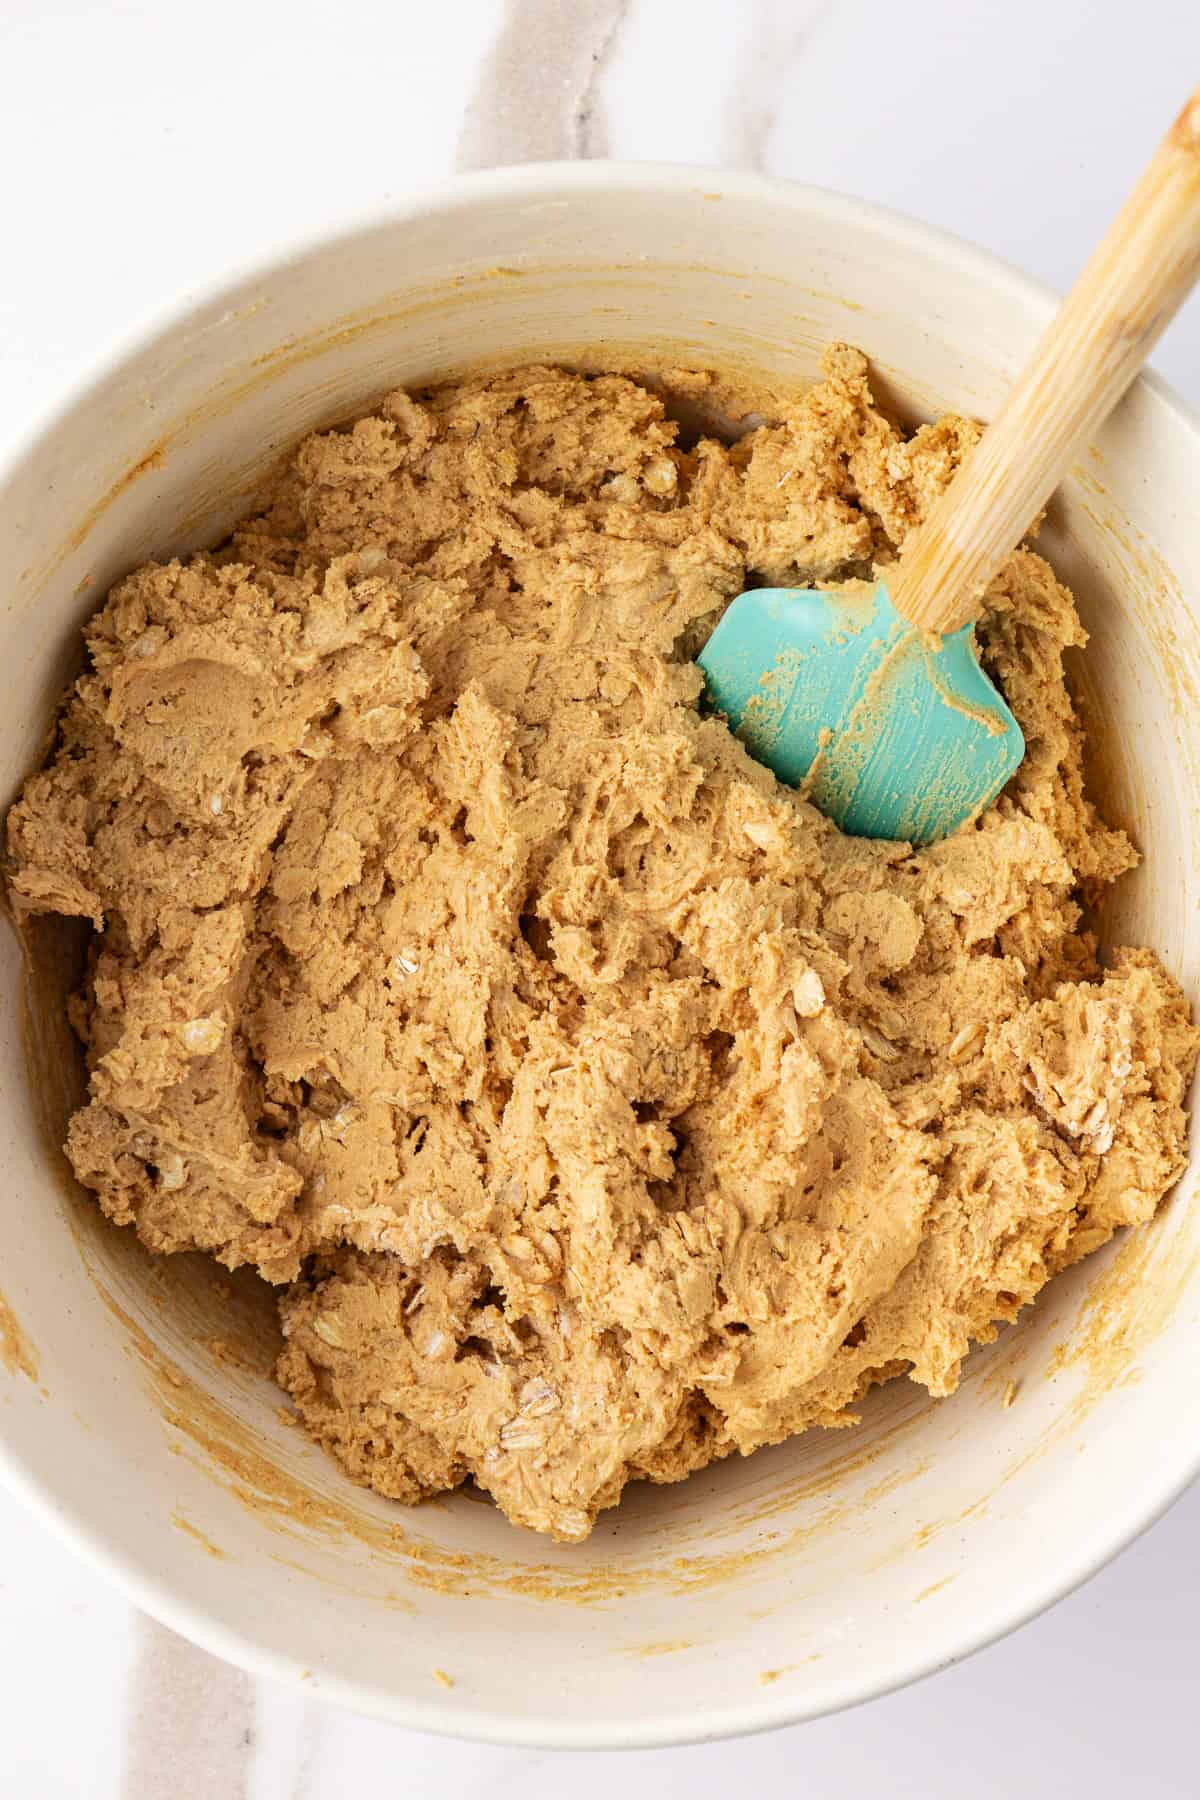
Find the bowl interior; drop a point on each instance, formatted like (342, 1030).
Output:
(140, 1412)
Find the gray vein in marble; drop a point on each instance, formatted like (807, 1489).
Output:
(312, 1731)
(190, 1732)
(774, 39)
(538, 95)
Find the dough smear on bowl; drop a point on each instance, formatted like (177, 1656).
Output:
(597, 1106)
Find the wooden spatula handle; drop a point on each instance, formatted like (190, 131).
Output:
(1137, 279)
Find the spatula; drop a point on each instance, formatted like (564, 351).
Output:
(873, 699)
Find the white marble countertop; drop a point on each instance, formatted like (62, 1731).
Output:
(149, 144)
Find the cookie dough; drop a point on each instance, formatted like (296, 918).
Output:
(597, 1106)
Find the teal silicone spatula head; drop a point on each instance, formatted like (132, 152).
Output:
(893, 734)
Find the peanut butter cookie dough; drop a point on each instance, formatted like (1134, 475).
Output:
(597, 1106)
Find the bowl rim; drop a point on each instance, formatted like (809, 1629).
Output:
(66, 1517)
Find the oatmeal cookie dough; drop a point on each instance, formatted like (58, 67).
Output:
(598, 1108)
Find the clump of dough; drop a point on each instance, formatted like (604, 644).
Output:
(600, 1109)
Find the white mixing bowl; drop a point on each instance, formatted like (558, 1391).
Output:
(765, 1590)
